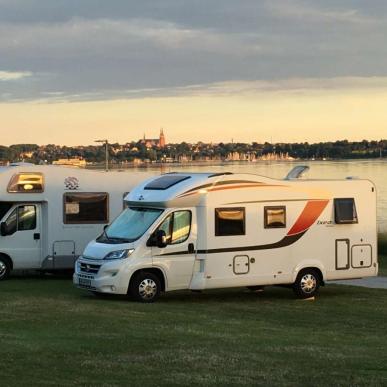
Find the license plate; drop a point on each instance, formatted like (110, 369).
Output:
(86, 283)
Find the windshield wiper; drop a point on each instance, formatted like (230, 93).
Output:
(125, 240)
(104, 234)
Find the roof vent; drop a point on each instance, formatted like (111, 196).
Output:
(297, 172)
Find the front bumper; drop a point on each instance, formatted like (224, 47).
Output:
(101, 276)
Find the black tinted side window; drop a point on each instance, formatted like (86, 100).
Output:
(345, 211)
(85, 208)
(229, 221)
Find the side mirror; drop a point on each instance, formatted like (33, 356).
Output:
(159, 239)
(3, 229)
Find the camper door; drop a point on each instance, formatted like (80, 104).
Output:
(178, 255)
(21, 235)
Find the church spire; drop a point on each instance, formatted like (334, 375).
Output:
(162, 139)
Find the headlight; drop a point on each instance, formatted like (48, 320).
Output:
(119, 254)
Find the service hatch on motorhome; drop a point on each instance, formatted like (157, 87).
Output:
(49, 213)
(203, 231)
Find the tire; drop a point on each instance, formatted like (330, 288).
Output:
(5, 268)
(307, 283)
(145, 287)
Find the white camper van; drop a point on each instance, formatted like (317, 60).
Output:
(49, 213)
(203, 231)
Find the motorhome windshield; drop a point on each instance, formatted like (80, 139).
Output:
(130, 225)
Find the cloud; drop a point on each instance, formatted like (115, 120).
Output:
(13, 75)
(297, 10)
(241, 89)
(97, 35)
(91, 50)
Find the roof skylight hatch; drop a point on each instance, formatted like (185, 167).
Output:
(166, 181)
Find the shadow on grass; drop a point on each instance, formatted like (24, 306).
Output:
(33, 274)
(270, 293)
(219, 296)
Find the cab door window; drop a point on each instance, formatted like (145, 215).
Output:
(177, 227)
(166, 226)
(11, 222)
(26, 219)
(181, 226)
(22, 218)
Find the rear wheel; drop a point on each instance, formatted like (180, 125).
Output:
(5, 268)
(145, 287)
(307, 283)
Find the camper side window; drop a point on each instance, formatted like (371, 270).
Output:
(345, 211)
(230, 221)
(275, 217)
(85, 208)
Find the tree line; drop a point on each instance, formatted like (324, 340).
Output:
(138, 150)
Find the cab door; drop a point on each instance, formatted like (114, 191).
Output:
(178, 256)
(21, 236)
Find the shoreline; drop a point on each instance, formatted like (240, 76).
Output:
(217, 163)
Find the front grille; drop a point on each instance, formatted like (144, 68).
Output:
(89, 268)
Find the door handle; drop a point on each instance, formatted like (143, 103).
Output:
(191, 248)
(36, 236)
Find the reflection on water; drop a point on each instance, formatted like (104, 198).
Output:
(375, 170)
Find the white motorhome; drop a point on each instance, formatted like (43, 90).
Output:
(49, 213)
(203, 231)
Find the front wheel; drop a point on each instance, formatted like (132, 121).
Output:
(4, 268)
(307, 283)
(145, 287)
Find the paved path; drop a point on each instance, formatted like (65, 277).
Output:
(370, 282)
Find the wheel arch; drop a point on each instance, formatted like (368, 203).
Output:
(316, 266)
(154, 270)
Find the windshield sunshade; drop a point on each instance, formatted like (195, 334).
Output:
(130, 225)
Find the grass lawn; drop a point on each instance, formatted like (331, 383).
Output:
(54, 334)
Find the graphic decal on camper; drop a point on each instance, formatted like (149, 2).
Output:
(307, 218)
(71, 183)
(231, 184)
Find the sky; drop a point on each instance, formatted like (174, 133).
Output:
(72, 71)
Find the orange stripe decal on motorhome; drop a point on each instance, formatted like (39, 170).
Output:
(309, 215)
(227, 187)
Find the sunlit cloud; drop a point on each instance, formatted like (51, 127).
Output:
(14, 75)
(239, 88)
